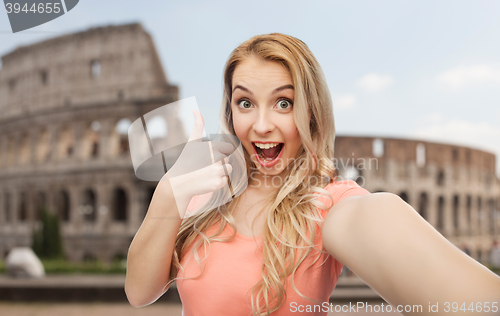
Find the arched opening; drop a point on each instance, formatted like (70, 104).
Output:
(88, 207)
(479, 214)
(66, 142)
(440, 178)
(120, 137)
(43, 146)
(62, 206)
(469, 212)
(8, 211)
(23, 211)
(422, 205)
(440, 213)
(491, 212)
(404, 196)
(456, 212)
(24, 154)
(119, 205)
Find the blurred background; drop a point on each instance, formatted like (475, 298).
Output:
(415, 87)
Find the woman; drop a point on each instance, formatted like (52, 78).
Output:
(274, 247)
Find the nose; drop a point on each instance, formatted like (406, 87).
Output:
(263, 124)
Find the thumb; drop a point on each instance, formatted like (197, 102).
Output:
(199, 123)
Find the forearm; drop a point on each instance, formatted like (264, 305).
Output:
(418, 265)
(150, 253)
(388, 244)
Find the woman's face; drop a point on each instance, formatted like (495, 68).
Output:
(262, 109)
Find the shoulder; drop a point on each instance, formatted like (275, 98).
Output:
(354, 215)
(340, 190)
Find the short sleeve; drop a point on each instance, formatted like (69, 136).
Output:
(340, 190)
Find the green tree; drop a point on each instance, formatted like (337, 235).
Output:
(47, 242)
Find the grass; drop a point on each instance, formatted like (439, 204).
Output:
(61, 266)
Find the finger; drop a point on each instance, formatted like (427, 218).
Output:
(223, 147)
(211, 151)
(218, 156)
(227, 169)
(199, 123)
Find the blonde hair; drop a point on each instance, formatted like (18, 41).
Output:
(293, 219)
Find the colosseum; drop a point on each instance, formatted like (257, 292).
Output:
(65, 110)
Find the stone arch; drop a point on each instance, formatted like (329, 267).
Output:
(404, 196)
(7, 207)
(11, 151)
(491, 215)
(479, 214)
(43, 146)
(88, 207)
(91, 140)
(66, 142)
(119, 137)
(440, 178)
(24, 150)
(63, 206)
(22, 207)
(120, 205)
(440, 213)
(423, 205)
(468, 205)
(456, 212)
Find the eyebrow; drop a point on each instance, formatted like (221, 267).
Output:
(288, 86)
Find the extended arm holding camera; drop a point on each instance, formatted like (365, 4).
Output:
(404, 259)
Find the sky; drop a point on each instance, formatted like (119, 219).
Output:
(427, 70)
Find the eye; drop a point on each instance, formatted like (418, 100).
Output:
(284, 104)
(245, 104)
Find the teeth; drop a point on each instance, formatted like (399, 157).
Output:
(266, 146)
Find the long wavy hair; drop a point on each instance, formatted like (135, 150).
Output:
(293, 219)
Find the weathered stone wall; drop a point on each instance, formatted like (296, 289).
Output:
(64, 111)
(453, 187)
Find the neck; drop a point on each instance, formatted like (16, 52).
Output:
(265, 184)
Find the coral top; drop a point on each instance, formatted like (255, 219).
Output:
(233, 268)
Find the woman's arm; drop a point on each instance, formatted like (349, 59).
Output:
(150, 253)
(404, 259)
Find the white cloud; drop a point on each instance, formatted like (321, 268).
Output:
(373, 82)
(343, 102)
(477, 135)
(468, 75)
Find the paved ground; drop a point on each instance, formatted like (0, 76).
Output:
(121, 309)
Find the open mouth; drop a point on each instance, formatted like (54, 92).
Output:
(268, 157)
